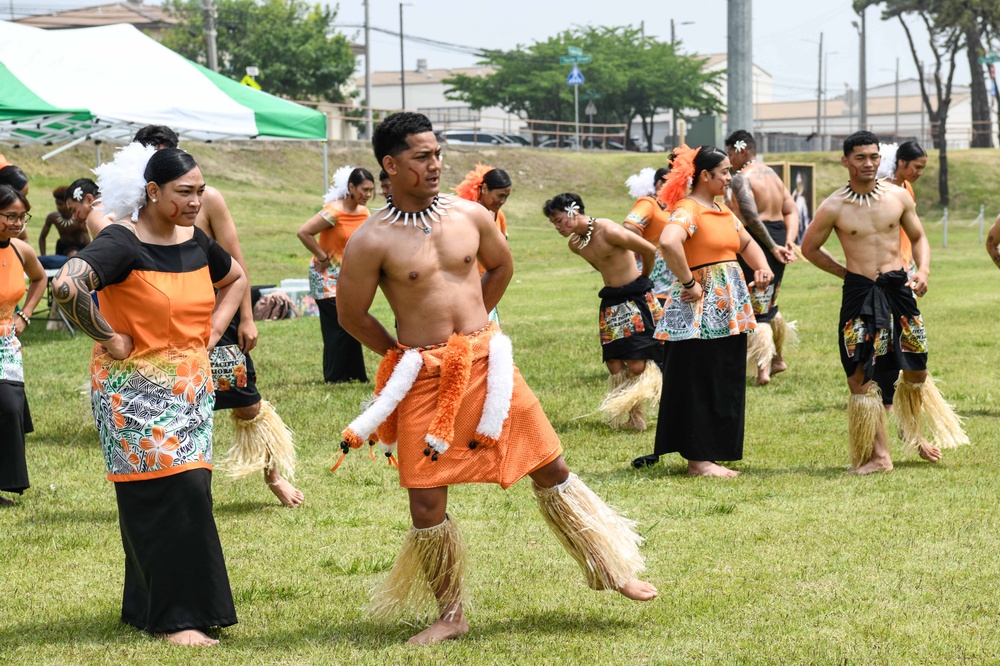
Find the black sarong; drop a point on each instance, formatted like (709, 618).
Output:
(233, 372)
(628, 319)
(16, 423)
(702, 406)
(175, 574)
(765, 302)
(880, 318)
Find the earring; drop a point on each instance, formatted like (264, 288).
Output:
(154, 200)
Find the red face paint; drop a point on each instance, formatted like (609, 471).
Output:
(416, 176)
(177, 209)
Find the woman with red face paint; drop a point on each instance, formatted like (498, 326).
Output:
(167, 293)
(344, 211)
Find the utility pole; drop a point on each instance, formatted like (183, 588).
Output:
(368, 75)
(896, 131)
(211, 35)
(402, 65)
(819, 94)
(862, 74)
(739, 77)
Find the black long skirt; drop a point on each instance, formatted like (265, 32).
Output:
(175, 574)
(703, 400)
(15, 423)
(342, 357)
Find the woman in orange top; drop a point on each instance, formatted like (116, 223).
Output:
(16, 259)
(167, 293)
(343, 213)
(705, 316)
(647, 219)
(900, 165)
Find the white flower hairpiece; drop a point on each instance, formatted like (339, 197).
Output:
(740, 146)
(78, 194)
(122, 181)
(641, 184)
(887, 167)
(338, 188)
(573, 209)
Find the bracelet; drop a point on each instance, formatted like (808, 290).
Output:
(26, 318)
(689, 284)
(323, 261)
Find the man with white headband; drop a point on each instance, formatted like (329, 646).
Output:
(766, 208)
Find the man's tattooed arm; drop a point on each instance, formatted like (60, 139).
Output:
(743, 194)
(71, 289)
(992, 241)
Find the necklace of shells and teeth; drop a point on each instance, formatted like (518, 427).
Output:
(848, 193)
(581, 241)
(740, 170)
(422, 218)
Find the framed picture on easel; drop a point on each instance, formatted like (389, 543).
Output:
(801, 182)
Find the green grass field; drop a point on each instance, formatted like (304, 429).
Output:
(793, 562)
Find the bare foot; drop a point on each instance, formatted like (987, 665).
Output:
(441, 630)
(635, 419)
(872, 466)
(189, 637)
(763, 376)
(638, 590)
(777, 366)
(6, 501)
(928, 451)
(286, 493)
(709, 468)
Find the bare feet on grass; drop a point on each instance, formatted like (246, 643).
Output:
(638, 590)
(872, 466)
(450, 625)
(709, 468)
(928, 451)
(777, 366)
(189, 637)
(286, 493)
(763, 376)
(6, 501)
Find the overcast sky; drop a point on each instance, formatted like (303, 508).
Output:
(785, 33)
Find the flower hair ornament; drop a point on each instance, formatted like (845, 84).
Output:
(573, 209)
(78, 194)
(887, 167)
(469, 188)
(740, 146)
(122, 181)
(681, 176)
(338, 188)
(641, 184)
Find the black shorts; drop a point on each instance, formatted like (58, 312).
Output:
(627, 321)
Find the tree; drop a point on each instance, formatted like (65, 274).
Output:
(632, 75)
(288, 40)
(945, 42)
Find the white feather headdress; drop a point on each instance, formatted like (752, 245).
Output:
(887, 167)
(641, 184)
(338, 188)
(122, 181)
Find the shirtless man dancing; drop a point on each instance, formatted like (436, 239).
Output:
(448, 390)
(879, 314)
(629, 309)
(766, 208)
(262, 443)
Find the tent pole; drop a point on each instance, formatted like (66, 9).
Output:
(326, 165)
(97, 147)
(64, 147)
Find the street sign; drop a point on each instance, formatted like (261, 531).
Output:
(575, 77)
(574, 50)
(249, 81)
(575, 59)
(985, 60)
(590, 110)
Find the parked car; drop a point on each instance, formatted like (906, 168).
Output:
(474, 138)
(561, 142)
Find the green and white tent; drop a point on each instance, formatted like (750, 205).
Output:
(104, 83)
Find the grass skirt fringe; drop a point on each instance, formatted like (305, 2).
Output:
(865, 415)
(761, 348)
(922, 404)
(429, 573)
(602, 542)
(261, 443)
(785, 333)
(627, 391)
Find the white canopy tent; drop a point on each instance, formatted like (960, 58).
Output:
(68, 86)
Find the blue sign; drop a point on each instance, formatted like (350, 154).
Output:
(575, 77)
